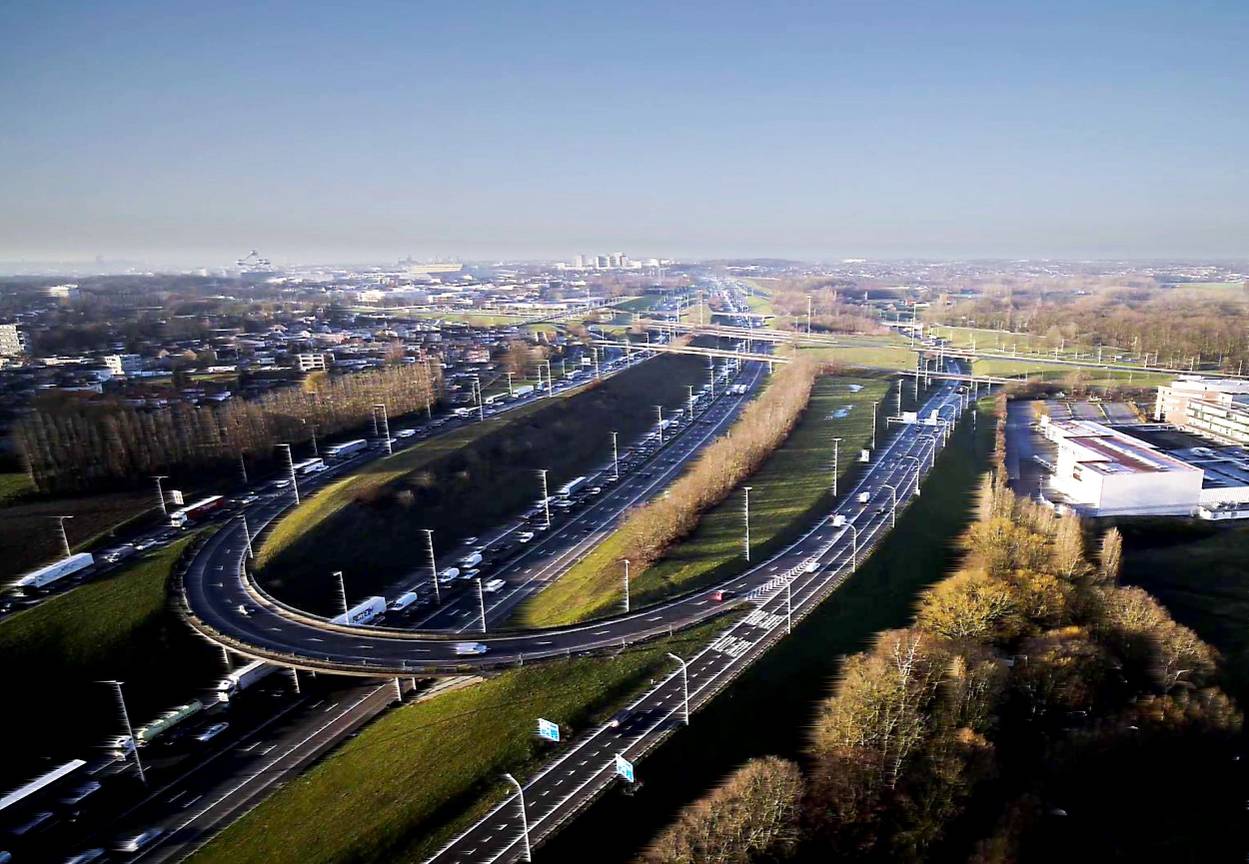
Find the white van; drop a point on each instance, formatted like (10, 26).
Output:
(469, 648)
(493, 585)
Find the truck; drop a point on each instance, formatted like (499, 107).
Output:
(192, 513)
(404, 600)
(471, 560)
(570, 487)
(162, 724)
(310, 466)
(242, 678)
(347, 449)
(37, 580)
(363, 612)
(522, 390)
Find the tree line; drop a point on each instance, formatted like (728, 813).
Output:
(75, 445)
(1036, 710)
(647, 531)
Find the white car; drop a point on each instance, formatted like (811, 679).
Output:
(140, 841)
(465, 649)
(405, 433)
(211, 732)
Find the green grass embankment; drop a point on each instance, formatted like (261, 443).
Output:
(422, 772)
(461, 484)
(119, 627)
(794, 482)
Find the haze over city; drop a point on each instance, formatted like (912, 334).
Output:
(173, 134)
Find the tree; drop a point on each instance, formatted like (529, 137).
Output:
(1111, 556)
(753, 813)
(971, 605)
(1069, 547)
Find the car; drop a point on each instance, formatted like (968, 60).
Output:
(144, 545)
(471, 573)
(86, 857)
(211, 732)
(619, 718)
(140, 841)
(244, 610)
(525, 536)
(405, 433)
(469, 541)
(722, 595)
(465, 649)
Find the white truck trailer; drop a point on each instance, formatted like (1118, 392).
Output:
(37, 580)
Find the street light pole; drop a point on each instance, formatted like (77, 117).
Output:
(546, 498)
(342, 590)
(626, 583)
(836, 468)
(875, 407)
(789, 606)
(685, 686)
(160, 493)
(247, 536)
(747, 489)
(524, 818)
(125, 717)
(385, 427)
(433, 566)
(481, 603)
(854, 551)
(509, 384)
(893, 510)
(659, 426)
(615, 454)
(690, 387)
(481, 409)
(291, 465)
(64, 537)
(918, 466)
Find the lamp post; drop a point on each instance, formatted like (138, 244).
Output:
(854, 549)
(747, 489)
(481, 603)
(659, 423)
(160, 493)
(893, 508)
(64, 537)
(290, 464)
(626, 583)
(546, 499)
(836, 469)
(386, 424)
(342, 591)
(524, 818)
(615, 454)
(918, 466)
(433, 566)
(875, 407)
(125, 719)
(685, 686)
(247, 536)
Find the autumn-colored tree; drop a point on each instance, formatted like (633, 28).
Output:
(1111, 556)
(972, 605)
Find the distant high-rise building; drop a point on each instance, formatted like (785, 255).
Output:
(580, 262)
(12, 341)
(601, 262)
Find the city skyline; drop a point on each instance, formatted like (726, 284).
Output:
(173, 135)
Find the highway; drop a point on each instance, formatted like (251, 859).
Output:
(788, 586)
(216, 587)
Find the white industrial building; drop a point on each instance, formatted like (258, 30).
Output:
(1214, 407)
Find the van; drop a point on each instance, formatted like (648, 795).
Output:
(864, 497)
(493, 585)
(140, 841)
(466, 649)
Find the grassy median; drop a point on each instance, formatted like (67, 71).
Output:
(120, 627)
(421, 773)
(794, 482)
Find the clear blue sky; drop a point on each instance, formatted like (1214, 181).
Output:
(193, 132)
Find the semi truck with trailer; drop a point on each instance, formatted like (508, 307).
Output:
(162, 724)
(192, 513)
(362, 613)
(242, 678)
(570, 487)
(310, 466)
(347, 449)
(404, 600)
(44, 577)
(522, 390)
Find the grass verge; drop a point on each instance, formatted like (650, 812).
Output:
(422, 772)
(119, 627)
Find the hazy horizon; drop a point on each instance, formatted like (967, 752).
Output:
(179, 135)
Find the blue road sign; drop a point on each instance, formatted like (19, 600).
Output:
(548, 730)
(624, 768)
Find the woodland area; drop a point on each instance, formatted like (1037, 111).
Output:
(1034, 711)
(1176, 323)
(74, 446)
(829, 313)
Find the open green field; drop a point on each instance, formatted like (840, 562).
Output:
(30, 537)
(874, 355)
(120, 627)
(14, 486)
(1088, 376)
(422, 772)
(791, 486)
(459, 485)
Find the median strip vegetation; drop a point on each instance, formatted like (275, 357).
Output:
(458, 485)
(120, 626)
(789, 481)
(419, 774)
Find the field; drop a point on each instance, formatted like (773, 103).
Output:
(1087, 376)
(29, 534)
(14, 486)
(420, 773)
(120, 627)
(875, 355)
(793, 484)
(460, 485)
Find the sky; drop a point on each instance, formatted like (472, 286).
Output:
(191, 133)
